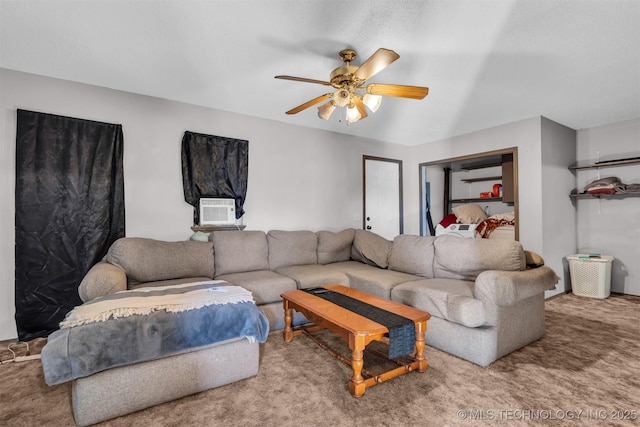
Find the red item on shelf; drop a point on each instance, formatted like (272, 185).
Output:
(496, 190)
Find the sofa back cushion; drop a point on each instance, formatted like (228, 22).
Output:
(464, 258)
(371, 249)
(335, 247)
(413, 255)
(148, 260)
(240, 251)
(288, 248)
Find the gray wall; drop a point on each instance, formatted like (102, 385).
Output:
(550, 224)
(558, 145)
(307, 178)
(526, 136)
(611, 226)
(543, 178)
(298, 177)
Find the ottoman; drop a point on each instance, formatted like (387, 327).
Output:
(134, 349)
(120, 391)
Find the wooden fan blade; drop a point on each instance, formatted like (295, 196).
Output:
(376, 63)
(308, 104)
(302, 79)
(360, 106)
(413, 92)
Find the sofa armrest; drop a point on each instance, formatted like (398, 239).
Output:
(508, 287)
(102, 279)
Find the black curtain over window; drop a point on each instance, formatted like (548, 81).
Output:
(69, 209)
(214, 166)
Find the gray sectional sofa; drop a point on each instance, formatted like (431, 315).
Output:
(483, 299)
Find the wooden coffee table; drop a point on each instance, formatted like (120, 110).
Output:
(355, 329)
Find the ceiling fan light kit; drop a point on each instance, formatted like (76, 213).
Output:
(353, 115)
(325, 110)
(349, 80)
(372, 102)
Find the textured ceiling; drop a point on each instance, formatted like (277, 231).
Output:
(486, 62)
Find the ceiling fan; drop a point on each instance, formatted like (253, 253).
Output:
(349, 81)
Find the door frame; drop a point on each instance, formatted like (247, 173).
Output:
(476, 156)
(364, 189)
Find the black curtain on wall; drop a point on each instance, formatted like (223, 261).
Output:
(214, 166)
(69, 209)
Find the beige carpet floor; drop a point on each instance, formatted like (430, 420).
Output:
(585, 371)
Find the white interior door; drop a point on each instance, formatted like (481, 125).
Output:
(383, 196)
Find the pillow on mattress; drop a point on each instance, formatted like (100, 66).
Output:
(469, 214)
(448, 220)
(507, 216)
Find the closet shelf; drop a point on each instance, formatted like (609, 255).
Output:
(633, 161)
(619, 162)
(477, 200)
(486, 178)
(603, 196)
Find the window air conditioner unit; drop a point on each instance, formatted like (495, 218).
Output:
(217, 211)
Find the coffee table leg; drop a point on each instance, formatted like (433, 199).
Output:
(357, 386)
(420, 358)
(288, 318)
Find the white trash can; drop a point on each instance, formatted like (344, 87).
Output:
(590, 275)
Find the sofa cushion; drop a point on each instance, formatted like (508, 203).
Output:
(102, 279)
(371, 249)
(378, 282)
(505, 288)
(265, 285)
(239, 251)
(413, 255)
(335, 247)
(350, 266)
(448, 299)
(464, 258)
(148, 260)
(169, 282)
(313, 275)
(292, 248)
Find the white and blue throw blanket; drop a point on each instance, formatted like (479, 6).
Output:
(149, 323)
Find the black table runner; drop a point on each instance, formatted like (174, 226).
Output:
(402, 331)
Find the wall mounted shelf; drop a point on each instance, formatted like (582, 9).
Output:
(603, 196)
(505, 161)
(606, 164)
(486, 178)
(477, 200)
